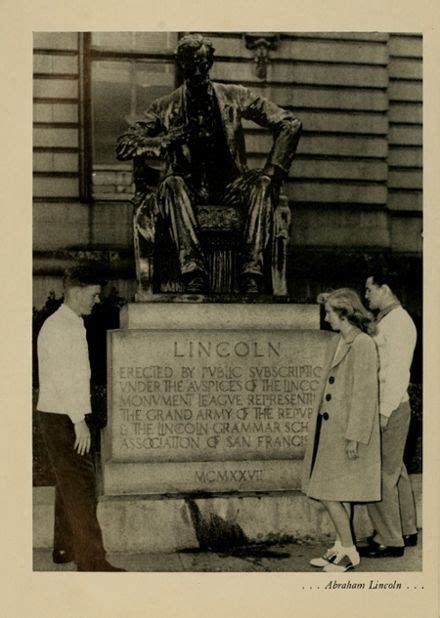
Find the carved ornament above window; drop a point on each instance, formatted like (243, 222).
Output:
(261, 43)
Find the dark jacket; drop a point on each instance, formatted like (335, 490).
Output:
(235, 102)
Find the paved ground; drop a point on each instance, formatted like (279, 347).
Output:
(292, 557)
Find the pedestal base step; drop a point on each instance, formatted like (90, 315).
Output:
(156, 524)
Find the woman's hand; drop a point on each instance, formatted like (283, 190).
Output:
(351, 448)
(383, 422)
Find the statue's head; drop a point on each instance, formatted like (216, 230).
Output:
(195, 56)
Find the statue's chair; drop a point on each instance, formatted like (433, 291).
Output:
(220, 233)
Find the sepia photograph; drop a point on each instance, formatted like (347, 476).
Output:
(219, 361)
(227, 303)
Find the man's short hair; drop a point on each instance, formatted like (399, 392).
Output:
(384, 273)
(83, 274)
(190, 44)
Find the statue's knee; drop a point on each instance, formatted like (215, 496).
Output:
(173, 183)
(262, 182)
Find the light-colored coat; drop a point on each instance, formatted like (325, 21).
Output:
(350, 401)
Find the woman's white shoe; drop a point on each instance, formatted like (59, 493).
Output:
(324, 560)
(342, 561)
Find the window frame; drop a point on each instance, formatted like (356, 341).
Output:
(88, 53)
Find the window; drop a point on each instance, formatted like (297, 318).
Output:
(128, 70)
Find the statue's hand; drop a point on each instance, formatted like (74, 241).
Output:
(276, 175)
(125, 150)
(150, 147)
(138, 141)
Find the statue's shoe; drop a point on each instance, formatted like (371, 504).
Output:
(195, 285)
(251, 285)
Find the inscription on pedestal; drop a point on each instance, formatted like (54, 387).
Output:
(207, 396)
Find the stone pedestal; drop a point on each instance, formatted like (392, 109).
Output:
(208, 410)
(207, 398)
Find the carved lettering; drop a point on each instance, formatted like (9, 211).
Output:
(215, 397)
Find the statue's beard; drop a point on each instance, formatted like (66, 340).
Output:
(199, 84)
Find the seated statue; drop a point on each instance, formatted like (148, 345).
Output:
(197, 129)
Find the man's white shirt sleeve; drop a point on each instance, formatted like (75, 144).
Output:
(64, 368)
(396, 340)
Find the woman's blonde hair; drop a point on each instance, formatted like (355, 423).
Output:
(346, 303)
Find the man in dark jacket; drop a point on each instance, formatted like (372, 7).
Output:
(198, 129)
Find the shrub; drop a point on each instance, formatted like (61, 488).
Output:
(414, 449)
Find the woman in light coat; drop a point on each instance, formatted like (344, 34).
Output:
(342, 460)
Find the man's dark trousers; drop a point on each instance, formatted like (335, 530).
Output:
(76, 526)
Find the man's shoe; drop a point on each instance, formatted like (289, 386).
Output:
(102, 566)
(410, 540)
(61, 556)
(374, 550)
